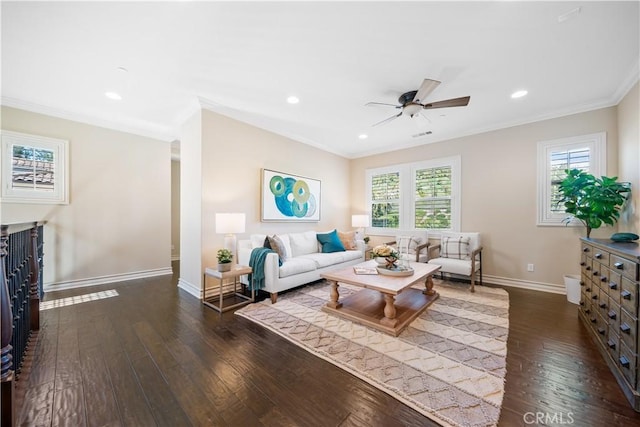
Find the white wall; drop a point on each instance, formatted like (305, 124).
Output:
(175, 209)
(499, 195)
(629, 156)
(118, 222)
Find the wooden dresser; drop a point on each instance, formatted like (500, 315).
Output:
(609, 307)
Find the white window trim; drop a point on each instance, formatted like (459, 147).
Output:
(60, 193)
(597, 144)
(407, 195)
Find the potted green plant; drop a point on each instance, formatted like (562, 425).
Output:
(224, 260)
(593, 201)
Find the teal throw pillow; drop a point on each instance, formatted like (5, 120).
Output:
(330, 242)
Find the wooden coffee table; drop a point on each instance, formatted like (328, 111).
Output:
(386, 303)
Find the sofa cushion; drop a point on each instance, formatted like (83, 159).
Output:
(303, 243)
(325, 259)
(296, 265)
(330, 242)
(348, 239)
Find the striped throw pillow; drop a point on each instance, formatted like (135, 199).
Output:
(455, 247)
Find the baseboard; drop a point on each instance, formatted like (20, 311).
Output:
(525, 284)
(103, 280)
(190, 288)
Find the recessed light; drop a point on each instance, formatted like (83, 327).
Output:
(113, 95)
(293, 100)
(363, 136)
(519, 94)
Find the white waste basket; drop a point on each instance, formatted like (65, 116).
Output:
(572, 283)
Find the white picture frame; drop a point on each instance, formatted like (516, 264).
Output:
(35, 169)
(289, 198)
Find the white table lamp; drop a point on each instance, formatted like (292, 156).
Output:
(229, 224)
(360, 221)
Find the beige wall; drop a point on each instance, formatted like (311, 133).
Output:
(175, 209)
(499, 195)
(629, 156)
(118, 221)
(233, 154)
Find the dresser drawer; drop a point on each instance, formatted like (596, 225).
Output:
(614, 285)
(627, 362)
(595, 295)
(629, 295)
(628, 330)
(613, 316)
(628, 269)
(602, 328)
(587, 250)
(601, 256)
(613, 343)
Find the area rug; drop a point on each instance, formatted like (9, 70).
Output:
(449, 364)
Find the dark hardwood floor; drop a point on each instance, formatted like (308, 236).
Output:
(155, 356)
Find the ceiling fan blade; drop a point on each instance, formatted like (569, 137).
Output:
(370, 104)
(426, 88)
(454, 102)
(388, 119)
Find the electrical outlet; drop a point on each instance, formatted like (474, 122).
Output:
(529, 267)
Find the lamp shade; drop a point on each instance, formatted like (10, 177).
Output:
(229, 223)
(359, 220)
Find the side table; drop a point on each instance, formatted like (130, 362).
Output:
(234, 295)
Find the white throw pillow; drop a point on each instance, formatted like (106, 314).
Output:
(303, 243)
(455, 247)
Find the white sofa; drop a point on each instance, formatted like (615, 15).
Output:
(304, 264)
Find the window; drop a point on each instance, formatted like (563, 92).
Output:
(415, 196)
(34, 169)
(586, 152)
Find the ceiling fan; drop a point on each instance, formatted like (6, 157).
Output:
(412, 102)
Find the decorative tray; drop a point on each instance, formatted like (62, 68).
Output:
(395, 271)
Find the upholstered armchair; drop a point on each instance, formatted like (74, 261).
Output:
(412, 248)
(458, 253)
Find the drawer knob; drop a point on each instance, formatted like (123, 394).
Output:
(587, 311)
(595, 273)
(625, 328)
(588, 289)
(594, 320)
(613, 285)
(588, 268)
(619, 265)
(612, 314)
(611, 344)
(585, 249)
(603, 278)
(581, 282)
(595, 296)
(626, 294)
(601, 331)
(598, 256)
(581, 303)
(624, 361)
(603, 304)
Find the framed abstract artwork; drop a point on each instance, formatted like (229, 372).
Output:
(287, 197)
(35, 169)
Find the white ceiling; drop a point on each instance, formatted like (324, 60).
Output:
(244, 59)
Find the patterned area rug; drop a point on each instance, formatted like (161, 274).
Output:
(449, 364)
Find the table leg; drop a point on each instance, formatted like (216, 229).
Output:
(334, 294)
(428, 283)
(389, 318)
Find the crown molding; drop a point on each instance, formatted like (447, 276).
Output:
(627, 83)
(147, 130)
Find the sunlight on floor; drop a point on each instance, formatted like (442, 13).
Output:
(46, 305)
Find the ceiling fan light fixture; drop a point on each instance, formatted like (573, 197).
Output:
(293, 99)
(519, 94)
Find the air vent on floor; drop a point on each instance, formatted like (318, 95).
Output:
(418, 135)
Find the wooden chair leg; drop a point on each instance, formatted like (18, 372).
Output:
(473, 281)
